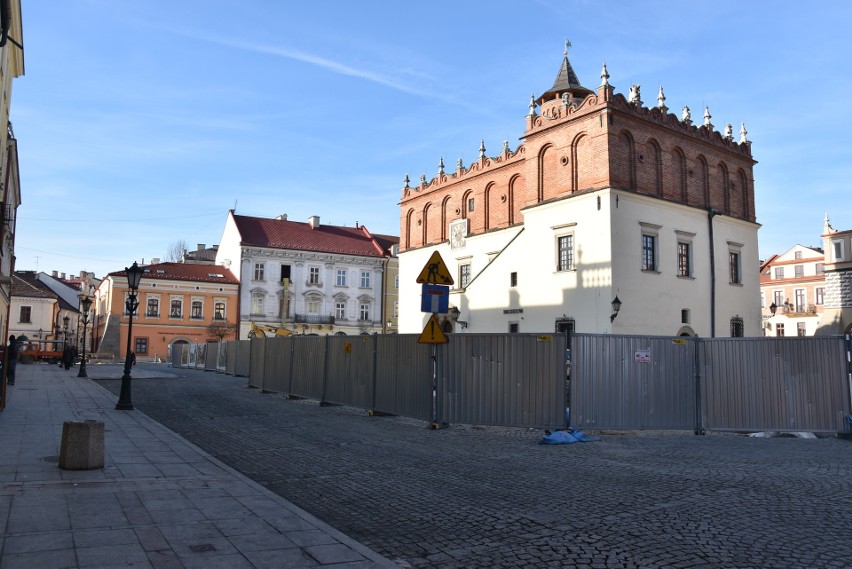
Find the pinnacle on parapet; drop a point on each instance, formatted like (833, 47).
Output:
(482, 149)
(441, 166)
(422, 179)
(729, 132)
(532, 105)
(707, 117)
(505, 147)
(686, 116)
(743, 133)
(604, 76)
(661, 100)
(460, 165)
(407, 182)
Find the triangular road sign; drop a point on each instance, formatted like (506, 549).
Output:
(435, 272)
(432, 333)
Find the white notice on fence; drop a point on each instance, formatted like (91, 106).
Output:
(643, 356)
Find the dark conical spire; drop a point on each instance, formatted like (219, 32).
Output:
(566, 82)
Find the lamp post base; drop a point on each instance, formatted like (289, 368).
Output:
(82, 372)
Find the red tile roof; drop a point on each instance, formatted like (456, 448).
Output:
(185, 272)
(281, 234)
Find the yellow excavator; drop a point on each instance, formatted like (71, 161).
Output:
(262, 331)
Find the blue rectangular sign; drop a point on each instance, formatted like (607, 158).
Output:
(435, 299)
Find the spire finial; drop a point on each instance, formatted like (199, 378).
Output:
(441, 165)
(567, 45)
(505, 147)
(460, 165)
(482, 149)
(532, 105)
(661, 100)
(407, 182)
(422, 179)
(604, 76)
(743, 133)
(707, 117)
(729, 132)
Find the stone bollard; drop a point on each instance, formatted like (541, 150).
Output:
(82, 446)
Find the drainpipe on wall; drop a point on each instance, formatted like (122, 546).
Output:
(711, 213)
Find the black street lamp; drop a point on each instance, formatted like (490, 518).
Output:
(65, 320)
(616, 306)
(85, 305)
(134, 276)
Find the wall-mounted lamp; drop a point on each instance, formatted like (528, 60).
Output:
(773, 308)
(616, 306)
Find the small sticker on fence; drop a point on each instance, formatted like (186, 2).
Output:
(643, 356)
(545, 338)
(678, 341)
(347, 347)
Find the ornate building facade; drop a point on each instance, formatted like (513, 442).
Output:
(605, 197)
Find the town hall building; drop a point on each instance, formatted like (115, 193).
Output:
(610, 217)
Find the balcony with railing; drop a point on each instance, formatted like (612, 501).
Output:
(313, 318)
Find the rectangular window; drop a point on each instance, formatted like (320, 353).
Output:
(464, 275)
(778, 298)
(801, 329)
(396, 309)
(838, 250)
(153, 309)
(313, 307)
(683, 265)
(197, 309)
(797, 255)
(513, 327)
(259, 271)
(799, 270)
(364, 312)
(26, 314)
(737, 329)
(257, 305)
(340, 310)
(820, 268)
(565, 247)
(341, 277)
(819, 294)
(313, 275)
(779, 273)
(684, 316)
(779, 329)
(513, 279)
(734, 267)
(176, 309)
(141, 346)
(396, 281)
(649, 252)
(365, 279)
(470, 205)
(285, 272)
(801, 300)
(219, 311)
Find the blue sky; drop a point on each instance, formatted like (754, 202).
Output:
(140, 124)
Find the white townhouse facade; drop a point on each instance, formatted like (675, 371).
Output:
(792, 292)
(308, 278)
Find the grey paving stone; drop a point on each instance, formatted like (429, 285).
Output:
(104, 537)
(333, 553)
(112, 556)
(54, 559)
(35, 542)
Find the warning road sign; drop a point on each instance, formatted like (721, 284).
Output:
(432, 333)
(435, 272)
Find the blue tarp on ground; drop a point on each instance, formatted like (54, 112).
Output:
(566, 438)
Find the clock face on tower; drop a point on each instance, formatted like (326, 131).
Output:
(458, 233)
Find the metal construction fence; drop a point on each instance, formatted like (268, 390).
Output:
(617, 382)
(720, 384)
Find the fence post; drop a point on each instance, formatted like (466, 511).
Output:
(849, 374)
(371, 410)
(699, 426)
(292, 341)
(324, 370)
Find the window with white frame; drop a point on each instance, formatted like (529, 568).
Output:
(684, 262)
(801, 329)
(364, 311)
(819, 296)
(25, 315)
(313, 306)
(649, 252)
(799, 271)
(152, 310)
(797, 255)
(259, 271)
(257, 304)
(365, 279)
(565, 253)
(464, 275)
(396, 281)
(340, 280)
(314, 275)
(340, 310)
(837, 247)
(779, 329)
(820, 268)
(196, 310)
(735, 275)
(779, 273)
(801, 300)
(219, 310)
(176, 308)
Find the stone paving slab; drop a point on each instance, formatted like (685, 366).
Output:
(159, 501)
(485, 497)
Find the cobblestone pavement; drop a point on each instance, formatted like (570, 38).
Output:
(492, 497)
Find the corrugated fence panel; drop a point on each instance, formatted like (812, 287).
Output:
(276, 364)
(212, 356)
(308, 367)
(632, 382)
(177, 355)
(222, 357)
(775, 384)
(231, 358)
(257, 371)
(403, 376)
(243, 358)
(499, 379)
(200, 356)
(351, 366)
